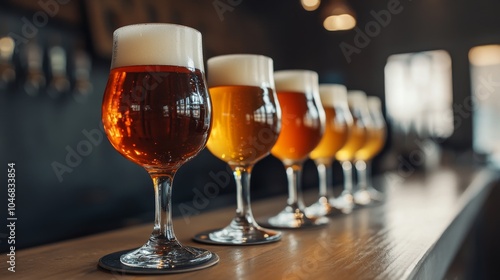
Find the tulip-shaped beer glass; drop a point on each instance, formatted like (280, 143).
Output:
(366, 194)
(303, 125)
(338, 119)
(246, 124)
(157, 113)
(356, 139)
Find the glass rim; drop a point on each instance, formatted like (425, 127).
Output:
(296, 71)
(155, 24)
(236, 55)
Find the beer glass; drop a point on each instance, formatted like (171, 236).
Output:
(357, 137)
(303, 125)
(366, 194)
(157, 113)
(338, 119)
(246, 124)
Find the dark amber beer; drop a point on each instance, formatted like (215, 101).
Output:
(156, 115)
(244, 127)
(303, 125)
(156, 112)
(302, 128)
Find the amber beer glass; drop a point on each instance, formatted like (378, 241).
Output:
(366, 194)
(303, 125)
(246, 124)
(357, 138)
(157, 113)
(338, 119)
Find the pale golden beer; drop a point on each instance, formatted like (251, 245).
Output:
(244, 129)
(375, 141)
(336, 126)
(376, 132)
(355, 140)
(338, 120)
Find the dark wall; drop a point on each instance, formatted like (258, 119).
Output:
(103, 190)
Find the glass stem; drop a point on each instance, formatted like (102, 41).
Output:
(244, 216)
(293, 173)
(163, 231)
(324, 175)
(368, 174)
(347, 170)
(361, 168)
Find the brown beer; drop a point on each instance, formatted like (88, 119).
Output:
(335, 136)
(301, 128)
(156, 116)
(245, 123)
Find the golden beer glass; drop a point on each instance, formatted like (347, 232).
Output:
(246, 124)
(338, 119)
(356, 139)
(366, 194)
(303, 125)
(157, 113)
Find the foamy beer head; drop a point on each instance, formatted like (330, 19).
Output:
(240, 70)
(357, 98)
(157, 44)
(333, 95)
(374, 104)
(304, 81)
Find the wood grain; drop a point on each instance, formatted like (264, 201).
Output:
(413, 235)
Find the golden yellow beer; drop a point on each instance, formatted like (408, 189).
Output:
(355, 140)
(334, 138)
(374, 143)
(245, 124)
(376, 131)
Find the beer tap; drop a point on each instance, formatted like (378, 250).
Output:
(7, 69)
(35, 78)
(82, 67)
(59, 83)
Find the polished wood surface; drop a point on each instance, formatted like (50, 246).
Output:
(413, 235)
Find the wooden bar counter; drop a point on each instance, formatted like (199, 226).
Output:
(413, 235)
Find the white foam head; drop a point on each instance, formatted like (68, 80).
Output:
(157, 44)
(304, 81)
(374, 103)
(333, 94)
(356, 98)
(241, 70)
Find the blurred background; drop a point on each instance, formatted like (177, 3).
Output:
(434, 64)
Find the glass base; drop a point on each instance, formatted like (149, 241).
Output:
(345, 202)
(167, 255)
(367, 197)
(292, 217)
(235, 234)
(321, 208)
(111, 262)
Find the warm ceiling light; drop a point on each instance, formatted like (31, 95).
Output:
(310, 5)
(7, 45)
(338, 16)
(485, 55)
(339, 22)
